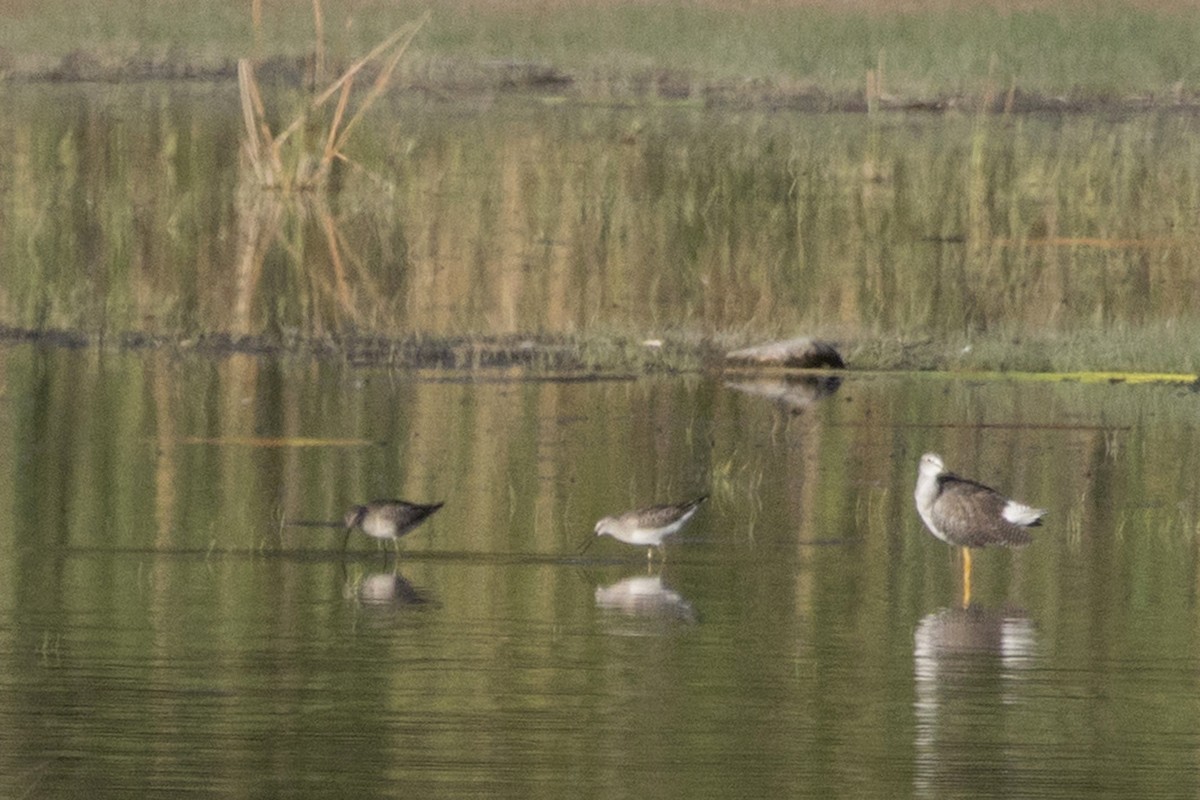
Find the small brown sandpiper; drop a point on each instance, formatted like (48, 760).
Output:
(648, 526)
(387, 519)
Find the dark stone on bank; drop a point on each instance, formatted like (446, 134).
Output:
(801, 353)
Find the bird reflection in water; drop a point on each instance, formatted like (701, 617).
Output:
(384, 589)
(646, 597)
(970, 669)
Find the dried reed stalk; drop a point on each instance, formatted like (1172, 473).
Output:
(264, 150)
(319, 34)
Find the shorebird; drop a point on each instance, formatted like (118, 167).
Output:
(967, 514)
(647, 526)
(386, 519)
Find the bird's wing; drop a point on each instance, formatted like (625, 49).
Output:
(406, 515)
(971, 514)
(661, 516)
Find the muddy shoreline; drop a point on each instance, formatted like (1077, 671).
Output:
(560, 357)
(443, 78)
(534, 357)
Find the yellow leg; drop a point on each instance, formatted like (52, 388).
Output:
(966, 600)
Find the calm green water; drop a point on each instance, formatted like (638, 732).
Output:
(160, 632)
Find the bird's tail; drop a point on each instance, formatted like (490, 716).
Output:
(1021, 514)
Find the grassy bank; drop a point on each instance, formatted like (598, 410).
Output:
(1036, 53)
(1132, 356)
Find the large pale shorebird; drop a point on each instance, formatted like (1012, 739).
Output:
(967, 514)
(387, 519)
(647, 526)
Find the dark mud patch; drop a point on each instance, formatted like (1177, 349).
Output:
(549, 357)
(452, 77)
(535, 356)
(47, 338)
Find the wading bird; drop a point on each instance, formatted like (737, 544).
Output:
(647, 526)
(967, 514)
(386, 519)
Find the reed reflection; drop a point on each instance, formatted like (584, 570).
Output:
(532, 217)
(968, 670)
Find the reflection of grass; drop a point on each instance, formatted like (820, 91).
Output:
(736, 482)
(871, 510)
(1173, 523)
(916, 242)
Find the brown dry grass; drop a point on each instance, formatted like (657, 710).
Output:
(848, 6)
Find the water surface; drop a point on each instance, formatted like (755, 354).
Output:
(161, 632)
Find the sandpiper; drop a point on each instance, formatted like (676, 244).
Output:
(648, 526)
(387, 519)
(967, 514)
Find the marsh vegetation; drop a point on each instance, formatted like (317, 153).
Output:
(562, 226)
(512, 289)
(1032, 242)
(814, 53)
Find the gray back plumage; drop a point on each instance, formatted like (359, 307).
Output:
(663, 515)
(390, 518)
(400, 513)
(970, 514)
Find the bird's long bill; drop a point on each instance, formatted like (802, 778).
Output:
(587, 543)
(346, 539)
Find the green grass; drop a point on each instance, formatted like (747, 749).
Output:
(1159, 348)
(1090, 50)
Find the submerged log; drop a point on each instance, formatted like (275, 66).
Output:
(803, 352)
